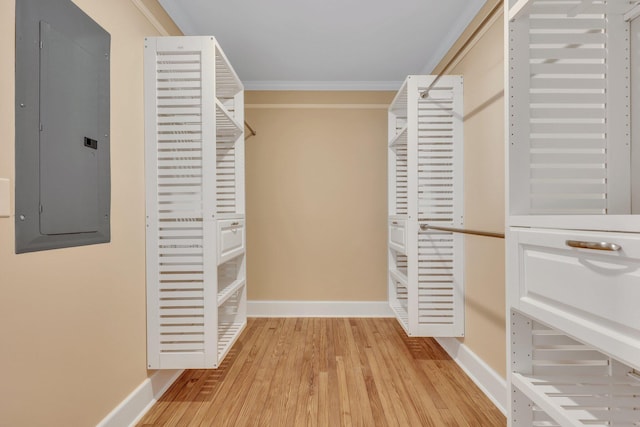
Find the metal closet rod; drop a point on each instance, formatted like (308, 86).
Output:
(462, 230)
(498, 6)
(253, 132)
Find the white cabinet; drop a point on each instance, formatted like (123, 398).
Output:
(573, 248)
(231, 240)
(398, 236)
(194, 144)
(426, 283)
(591, 294)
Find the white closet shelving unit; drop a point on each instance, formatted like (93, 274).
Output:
(194, 143)
(426, 283)
(573, 237)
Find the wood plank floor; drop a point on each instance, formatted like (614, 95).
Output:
(327, 372)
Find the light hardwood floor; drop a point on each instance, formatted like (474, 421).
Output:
(327, 372)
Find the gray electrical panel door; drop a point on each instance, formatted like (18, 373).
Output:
(69, 117)
(63, 185)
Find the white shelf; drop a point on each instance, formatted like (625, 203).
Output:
(227, 82)
(616, 223)
(584, 401)
(230, 216)
(400, 138)
(228, 333)
(399, 217)
(399, 276)
(399, 103)
(229, 290)
(401, 315)
(227, 128)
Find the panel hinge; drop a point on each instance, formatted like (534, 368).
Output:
(41, 44)
(41, 127)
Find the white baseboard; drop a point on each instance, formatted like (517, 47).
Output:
(134, 406)
(318, 309)
(492, 384)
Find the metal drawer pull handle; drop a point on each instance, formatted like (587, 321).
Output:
(599, 246)
(235, 223)
(395, 223)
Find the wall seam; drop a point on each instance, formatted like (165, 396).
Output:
(466, 42)
(475, 41)
(150, 17)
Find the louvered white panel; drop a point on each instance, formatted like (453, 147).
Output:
(194, 159)
(440, 282)
(226, 177)
(398, 196)
(439, 133)
(440, 293)
(227, 132)
(228, 84)
(577, 136)
(180, 304)
(567, 60)
(398, 106)
(398, 160)
(232, 318)
(426, 288)
(401, 177)
(399, 292)
(569, 383)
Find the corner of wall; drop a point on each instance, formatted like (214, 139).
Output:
(134, 406)
(487, 380)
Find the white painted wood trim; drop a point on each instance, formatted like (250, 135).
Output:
(474, 42)
(175, 10)
(488, 380)
(448, 40)
(322, 85)
(134, 406)
(150, 17)
(520, 8)
(318, 309)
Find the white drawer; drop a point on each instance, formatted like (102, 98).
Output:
(231, 241)
(597, 290)
(398, 235)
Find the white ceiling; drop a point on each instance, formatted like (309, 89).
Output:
(327, 44)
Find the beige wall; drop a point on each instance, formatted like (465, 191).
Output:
(482, 68)
(316, 196)
(72, 321)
